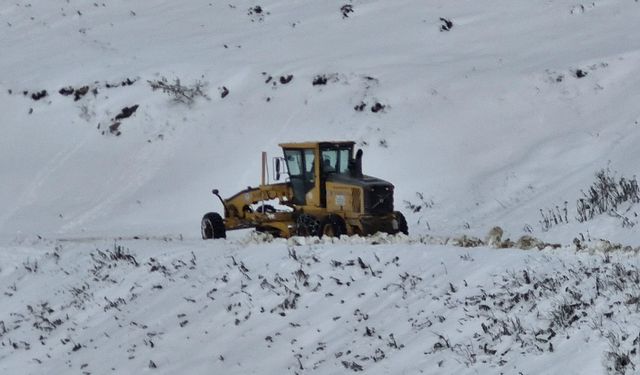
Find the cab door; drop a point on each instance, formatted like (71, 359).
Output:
(301, 165)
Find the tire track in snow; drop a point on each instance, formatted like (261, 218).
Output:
(138, 171)
(31, 192)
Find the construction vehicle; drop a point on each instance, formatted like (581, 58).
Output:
(324, 194)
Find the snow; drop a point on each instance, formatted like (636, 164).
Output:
(296, 307)
(272, 307)
(484, 125)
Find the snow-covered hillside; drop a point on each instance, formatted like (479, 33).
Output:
(511, 111)
(482, 114)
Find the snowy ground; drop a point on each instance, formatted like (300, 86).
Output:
(240, 307)
(496, 122)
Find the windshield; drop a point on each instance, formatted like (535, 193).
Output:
(336, 160)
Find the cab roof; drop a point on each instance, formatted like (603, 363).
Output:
(321, 144)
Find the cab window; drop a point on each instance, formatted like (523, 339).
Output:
(344, 161)
(309, 158)
(294, 162)
(301, 165)
(336, 160)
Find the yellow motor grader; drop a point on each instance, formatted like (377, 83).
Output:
(325, 194)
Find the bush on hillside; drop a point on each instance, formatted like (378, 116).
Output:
(553, 216)
(606, 195)
(185, 94)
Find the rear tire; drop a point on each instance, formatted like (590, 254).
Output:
(212, 226)
(402, 223)
(332, 226)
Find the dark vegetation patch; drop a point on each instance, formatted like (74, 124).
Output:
(80, 92)
(320, 80)
(579, 73)
(257, 13)
(126, 82)
(283, 79)
(114, 129)
(66, 91)
(34, 95)
(286, 79)
(224, 91)
(126, 112)
(377, 107)
(346, 10)
(323, 79)
(39, 95)
(446, 25)
(116, 122)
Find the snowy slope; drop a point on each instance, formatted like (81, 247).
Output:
(495, 122)
(488, 120)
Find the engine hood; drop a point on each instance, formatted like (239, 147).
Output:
(364, 181)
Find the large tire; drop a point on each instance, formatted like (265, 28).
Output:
(332, 226)
(213, 226)
(402, 223)
(307, 226)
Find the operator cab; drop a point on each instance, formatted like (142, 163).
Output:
(303, 168)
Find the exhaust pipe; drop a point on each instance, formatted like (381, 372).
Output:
(355, 165)
(264, 167)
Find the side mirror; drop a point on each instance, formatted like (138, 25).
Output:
(279, 168)
(215, 191)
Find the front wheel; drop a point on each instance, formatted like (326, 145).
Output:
(333, 226)
(402, 223)
(212, 226)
